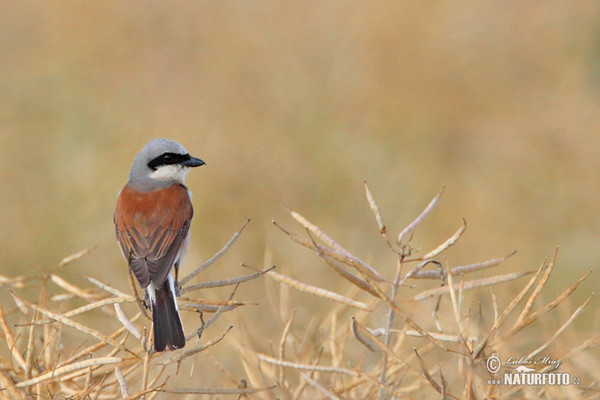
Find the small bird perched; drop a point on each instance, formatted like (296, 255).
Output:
(152, 221)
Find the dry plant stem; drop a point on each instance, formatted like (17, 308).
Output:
(561, 329)
(353, 260)
(535, 315)
(331, 254)
(408, 320)
(306, 367)
(432, 381)
(303, 287)
(216, 303)
(303, 383)
(105, 287)
(10, 341)
(91, 349)
(357, 332)
(140, 303)
(378, 217)
(147, 357)
(439, 336)
(463, 269)
(335, 343)
(374, 343)
(218, 391)
(122, 382)
(198, 332)
(75, 256)
(8, 385)
(284, 336)
(69, 368)
(411, 227)
(89, 307)
(253, 374)
(472, 284)
(444, 386)
(29, 352)
(199, 348)
(341, 270)
(591, 342)
(388, 327)
(537, 290)
(65, 321)
(18, 282)
(70, 288)
(455, 307)
(328, 393)
(500, 319)
(126, 322)
(417, 269)
(214, 258)
(225, 282)
(46, 329)
(142, 393)
(448, 243)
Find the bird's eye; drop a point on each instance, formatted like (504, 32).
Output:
(167, 157)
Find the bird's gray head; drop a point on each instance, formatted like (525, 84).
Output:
(161, 163)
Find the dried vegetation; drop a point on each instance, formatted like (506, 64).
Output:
(369, 346)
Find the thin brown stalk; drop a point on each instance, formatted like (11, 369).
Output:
(537, 290)
(560, 330)
(225, 282)
(198, 348)
(463, 269)
(214, 258)
(10, 341)
(282, 342)
(316, 291)
(9, 386)
(306, 367)
(55, 373)
(218, 391)
(548, 307)
(388, 327)
(360, 336)
(326, 392)
(71, 288)
(122, 382)
(126, 322)
(65, 321)
(472, 284)
(426, 374)
(407, 319)
(75, 256)
(448, 243)
(361, 284)
(352, 259)
(29, 351)
(140, 303)
(378, 217)
(406, 232)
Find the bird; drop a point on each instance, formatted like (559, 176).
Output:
(152, 222)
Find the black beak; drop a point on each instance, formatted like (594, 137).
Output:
(193, 162)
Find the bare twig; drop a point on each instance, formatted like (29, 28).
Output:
(214, 258)
(411, 227)
(225, 282)
(316, 291)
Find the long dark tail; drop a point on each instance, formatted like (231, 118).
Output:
(168, 331)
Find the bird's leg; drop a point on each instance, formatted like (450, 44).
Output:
(146, 300)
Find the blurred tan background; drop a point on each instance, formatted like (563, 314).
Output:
(298, 103)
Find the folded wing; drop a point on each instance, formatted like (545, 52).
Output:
(150, 227)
